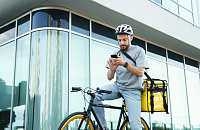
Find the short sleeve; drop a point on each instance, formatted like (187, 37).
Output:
(141, 59)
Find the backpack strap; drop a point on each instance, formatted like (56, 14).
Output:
(164, 98)
(129, 57)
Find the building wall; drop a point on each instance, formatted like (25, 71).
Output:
(169, 22)
(49, 50)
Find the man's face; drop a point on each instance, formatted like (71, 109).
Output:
(124, 41)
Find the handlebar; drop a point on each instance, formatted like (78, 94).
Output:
(76, 89)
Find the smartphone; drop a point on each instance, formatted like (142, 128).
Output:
(114, 56)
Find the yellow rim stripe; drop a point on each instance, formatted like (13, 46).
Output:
(75, 117)
(144, 124)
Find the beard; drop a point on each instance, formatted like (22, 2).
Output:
(124, 47)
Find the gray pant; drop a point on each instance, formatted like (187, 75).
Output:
(133, 102)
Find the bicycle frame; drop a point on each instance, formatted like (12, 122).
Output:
(90, 109)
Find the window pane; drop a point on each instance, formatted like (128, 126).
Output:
(7, 58)
(21, 73)
(178, 97)
(23, 25)
(104, 33)
(186, 3)
(80, 24)
(186, 14)
(158, 70)
(79, 70)
(158, 1)
(156, 52)
(7, 32)
(191, 64)
(193, 87)
(99, 77)
(196, 12)
(171, 6)
(48, 86)
(138, 42)
(50, 18)
(175, 58)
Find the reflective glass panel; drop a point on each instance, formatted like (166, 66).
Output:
(175, 59)
(7, 58)
(48, 86)
(80, 24)
(191, 64)
(171, 6)
(23, 25)
(79, 70)
(156, 52)
(178, 98)
(21, 76)
(100, 55)
(7, 32)
(196, 12)
(158, 1)
(50, 18)
(186, 3)
(158, 70)
(138, 42)
(104, 33)
(193, 87)
(185, 14)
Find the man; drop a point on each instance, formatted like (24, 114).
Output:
(129, 81)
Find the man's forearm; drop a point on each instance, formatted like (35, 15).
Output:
(110, 74)
(135, 70)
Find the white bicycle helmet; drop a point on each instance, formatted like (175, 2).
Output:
(124, 29)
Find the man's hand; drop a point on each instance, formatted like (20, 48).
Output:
(119, 61)
(112, 66)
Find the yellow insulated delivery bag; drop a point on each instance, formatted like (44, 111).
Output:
(154, 97)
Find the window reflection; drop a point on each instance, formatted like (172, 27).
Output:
(156, 52)
(7, 55)
(178, 98)
(158, 1)
(21, 73)
(100, 54)
(79, 70)
(23, 25)
(191, 64)
(138, 42)
(185, 14)
(158, 70)
(104, 33)
(171, 6)
(193, 88)
(186, 3)
(80, 24)
(50, 18)
(7, 32)
(175, 59)
(48, 91)
(196, 12)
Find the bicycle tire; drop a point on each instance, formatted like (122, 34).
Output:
(72, 122)
(125, 125)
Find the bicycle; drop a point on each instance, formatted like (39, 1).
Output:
(83, 121)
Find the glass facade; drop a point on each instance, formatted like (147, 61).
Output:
(188, 10)
(64, 50)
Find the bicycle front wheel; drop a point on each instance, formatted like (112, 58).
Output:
(76, 121)
(126, 126)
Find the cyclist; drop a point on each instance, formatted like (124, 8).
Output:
(129, 77)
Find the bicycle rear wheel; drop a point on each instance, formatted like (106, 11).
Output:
(76, 121)
(126, 126)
